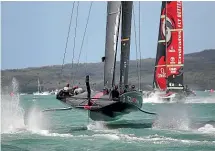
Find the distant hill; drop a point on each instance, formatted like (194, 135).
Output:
(199, 73)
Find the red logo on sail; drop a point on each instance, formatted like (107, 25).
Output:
(161, 74)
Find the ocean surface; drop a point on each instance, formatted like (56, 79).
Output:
(188, 126)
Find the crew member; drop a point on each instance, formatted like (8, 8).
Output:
(115, 93)
(105, 91)
(66, 88)
(188, 91)
(74, 87)
(133, 88)
(78, 91)
(126, 89)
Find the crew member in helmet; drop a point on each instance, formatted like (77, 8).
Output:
(133, 88)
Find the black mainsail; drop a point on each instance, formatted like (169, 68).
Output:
(125, 42)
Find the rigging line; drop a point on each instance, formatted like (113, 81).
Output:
(67, 39)
(85, 30)
(74, 41)
(136, 46)
(139, 48)
(82, 43)
(86, 64)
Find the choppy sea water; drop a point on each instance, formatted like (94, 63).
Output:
(179, 127)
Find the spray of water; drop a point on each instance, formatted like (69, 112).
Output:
(35, 120)
(98, 125)
(153, 98)
(173, 117)
(12, 113)
(13, 117)
(207, 128)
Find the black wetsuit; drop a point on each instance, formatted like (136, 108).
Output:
(115, 94)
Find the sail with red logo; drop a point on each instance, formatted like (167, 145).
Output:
(159, 81)
(174, 45)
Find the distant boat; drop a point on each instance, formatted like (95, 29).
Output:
(39, 92)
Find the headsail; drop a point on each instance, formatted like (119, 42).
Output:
(175, 48)
(113, 17)
(125, 42)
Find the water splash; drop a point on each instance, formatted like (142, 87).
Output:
(98, 125)
(207, 128)
(173, 117)
(12, 114)
(36, 120)
(153, 98)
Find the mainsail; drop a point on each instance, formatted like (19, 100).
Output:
(125, 42)
(175, 49)
(168, 72)
(112, 30)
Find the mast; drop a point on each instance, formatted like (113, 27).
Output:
(112, 28)
(125, 42)
(159, 81)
